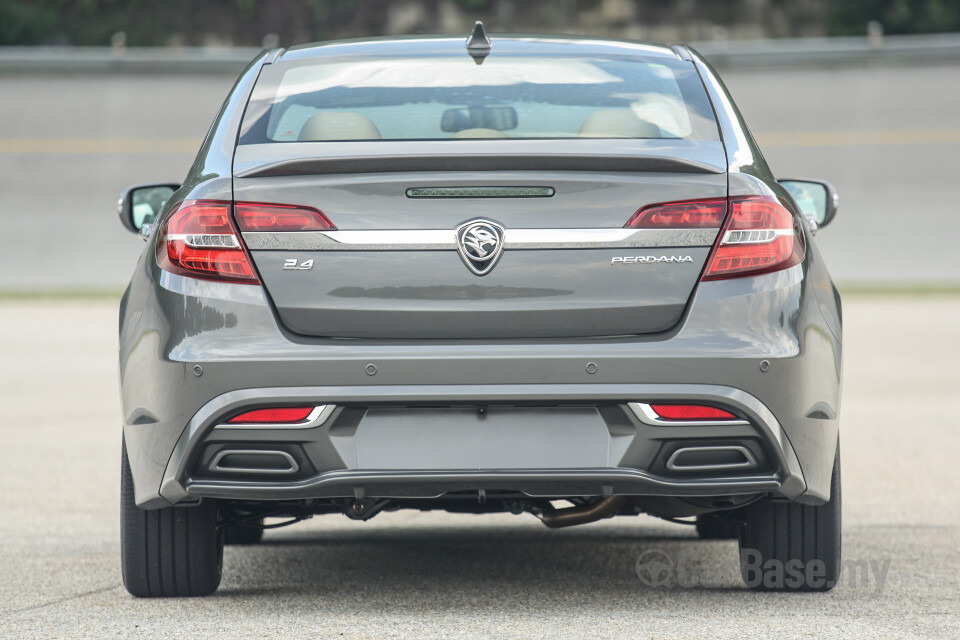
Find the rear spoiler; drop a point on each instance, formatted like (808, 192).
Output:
(478, 162)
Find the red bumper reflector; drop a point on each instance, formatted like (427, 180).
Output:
(283, 415)
(690, 412)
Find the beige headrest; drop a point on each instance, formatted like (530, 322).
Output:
(339, 125)
(479, 133)
(618, 123)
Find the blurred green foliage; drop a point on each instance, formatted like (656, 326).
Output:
(246, 22)
(24, 22)
(896, 16)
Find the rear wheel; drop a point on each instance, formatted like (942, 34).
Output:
(793, 547)
(175, 551)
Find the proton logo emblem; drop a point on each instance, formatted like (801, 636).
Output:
(480, 245)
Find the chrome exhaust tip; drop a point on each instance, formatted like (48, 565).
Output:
(253, 461)
(716, 458)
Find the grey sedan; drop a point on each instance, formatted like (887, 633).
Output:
(541, 275)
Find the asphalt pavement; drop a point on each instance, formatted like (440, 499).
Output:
(427, 575)
(887, 136)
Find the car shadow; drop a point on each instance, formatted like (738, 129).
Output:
(472, 568)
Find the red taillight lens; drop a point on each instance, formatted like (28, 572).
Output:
(760, 236)
(253, 216)
(690, 412)
(283, 415)
(199, 240)
(694, 214)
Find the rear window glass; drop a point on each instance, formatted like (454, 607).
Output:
(436, 98)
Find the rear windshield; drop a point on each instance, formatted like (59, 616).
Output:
(438, 98)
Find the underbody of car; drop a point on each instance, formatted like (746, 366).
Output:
(343, 312)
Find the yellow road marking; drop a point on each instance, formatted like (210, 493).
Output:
(769, 139)
(99, 145)
(864, 138)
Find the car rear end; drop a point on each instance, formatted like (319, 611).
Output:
(430, 283)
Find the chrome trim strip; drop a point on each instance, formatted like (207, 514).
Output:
(223, 453)
(607, 238)
(748, 463)
(446, 239)
(317, 417)
(366, 240)
(648, 416)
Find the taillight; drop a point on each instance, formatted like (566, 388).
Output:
(692, 214)
(760, 236)
(199, 240)
(690, 412)
(254, 216)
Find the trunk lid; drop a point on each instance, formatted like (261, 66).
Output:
(409, 261)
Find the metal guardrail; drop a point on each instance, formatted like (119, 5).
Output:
(125, 60)
(785, 53)
(819, 52)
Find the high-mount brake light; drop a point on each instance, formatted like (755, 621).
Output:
(691, 214)
(760, 236)
(255, 216)
(279, 415)
(690, 412)
(199, 240)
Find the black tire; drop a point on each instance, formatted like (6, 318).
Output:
(175, 551)
(793, 547)
(717, 527)
(240, 534)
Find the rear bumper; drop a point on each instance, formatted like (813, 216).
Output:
(634, 451)
(192, 351)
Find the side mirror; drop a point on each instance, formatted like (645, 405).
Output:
(817, 200)
(139, 205)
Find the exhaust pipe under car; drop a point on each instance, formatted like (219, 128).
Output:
(583, 514)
